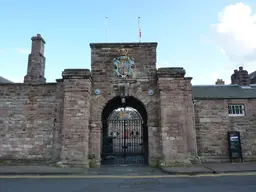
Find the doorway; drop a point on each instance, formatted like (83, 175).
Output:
(124, 133)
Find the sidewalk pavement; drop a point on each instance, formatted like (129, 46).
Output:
(39, 170)
(209, 168)
(215, 168)
(113, 170)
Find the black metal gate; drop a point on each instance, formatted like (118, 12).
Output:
(123, 141)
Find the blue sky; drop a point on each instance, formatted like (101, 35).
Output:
(183, 29)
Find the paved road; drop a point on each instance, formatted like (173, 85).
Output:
(191, 184)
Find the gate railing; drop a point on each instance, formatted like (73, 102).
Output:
(123, 141)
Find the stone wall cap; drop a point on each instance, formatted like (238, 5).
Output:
(124, 45)
(28, 84)
(76, 73)
(171, 72)
(38, 37)
(59, 80)
(78, 70)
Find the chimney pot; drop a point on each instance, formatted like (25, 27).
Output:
(235, 70)
(220, 82)
(36, 62)
(240, 68)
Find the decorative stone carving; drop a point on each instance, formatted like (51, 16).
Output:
(123, 87)
(123, 65)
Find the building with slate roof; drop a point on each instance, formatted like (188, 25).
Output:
(3, 80)
(223, 92)
(124, 111)
(252, 77)
(221, 108)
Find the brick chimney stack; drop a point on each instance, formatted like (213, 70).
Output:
(220, 82)
(240, 77)
(36, 62)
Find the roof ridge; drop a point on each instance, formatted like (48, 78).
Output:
(4, 80)
(252, 75)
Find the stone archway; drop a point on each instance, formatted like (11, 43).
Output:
(124, 139)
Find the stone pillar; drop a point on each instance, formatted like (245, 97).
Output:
(58, 121)
(95, 143)
(76, 114)
(190, 119)
(36, 62)
(176, 116)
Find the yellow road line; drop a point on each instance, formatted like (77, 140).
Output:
(119, 176)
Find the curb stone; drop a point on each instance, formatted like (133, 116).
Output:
(40, 174)
(187, 172)
(211, 171)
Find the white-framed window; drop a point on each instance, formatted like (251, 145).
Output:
(236, 110)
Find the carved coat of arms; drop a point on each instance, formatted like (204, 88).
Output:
(124, 65)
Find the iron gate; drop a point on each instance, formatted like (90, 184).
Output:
(123, 142)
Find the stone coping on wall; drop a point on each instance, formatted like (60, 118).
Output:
(76, 74)
(28, 84)
(171, 72)
(123, 45)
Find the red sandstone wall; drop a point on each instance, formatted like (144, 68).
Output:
(213, 123)
(27, 121)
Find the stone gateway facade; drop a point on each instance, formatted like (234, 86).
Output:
(124, 110)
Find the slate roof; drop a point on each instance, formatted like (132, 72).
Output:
(3, 80)
(223, 92)
(252, 75)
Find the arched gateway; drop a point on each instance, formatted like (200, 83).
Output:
(125, 111)
(124, 132)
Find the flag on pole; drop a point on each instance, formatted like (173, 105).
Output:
(139, 29)
(106, 29)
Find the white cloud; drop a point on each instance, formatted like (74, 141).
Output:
(23, 51)
(223, 51)
(235, 35)
(250, 66)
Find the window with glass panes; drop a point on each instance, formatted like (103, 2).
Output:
(236, 110)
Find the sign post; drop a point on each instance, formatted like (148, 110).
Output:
(235, 147)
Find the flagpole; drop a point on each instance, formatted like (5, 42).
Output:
(106, 29)
(139, 29)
